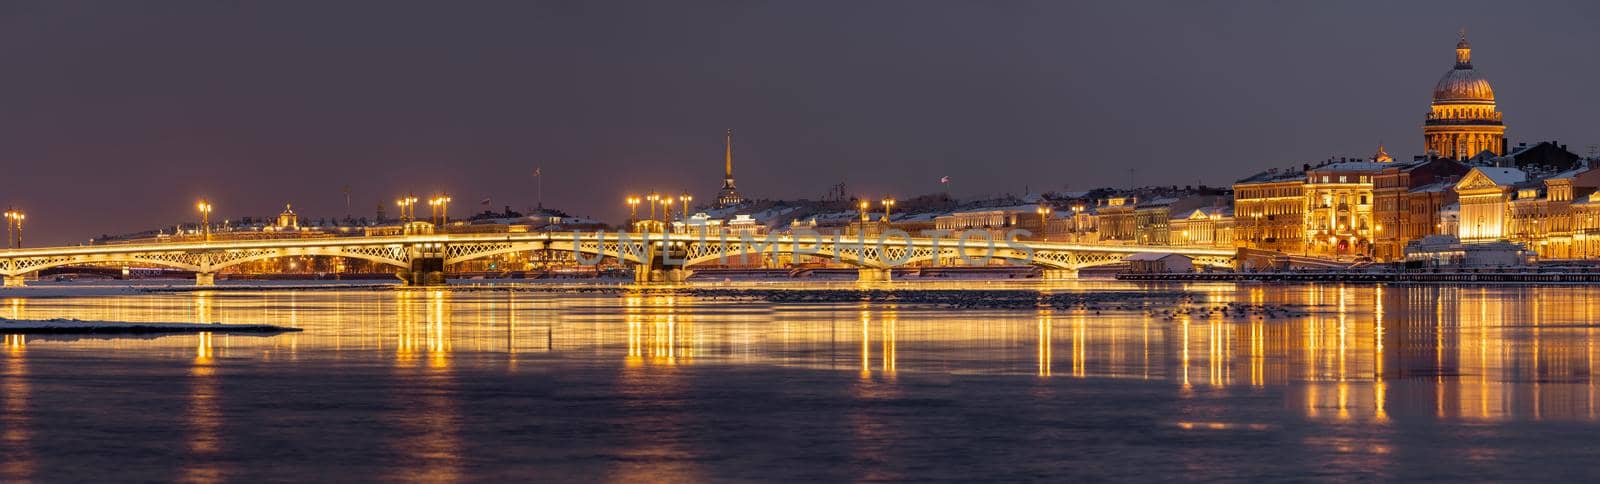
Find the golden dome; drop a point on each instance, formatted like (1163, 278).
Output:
(1462, 83)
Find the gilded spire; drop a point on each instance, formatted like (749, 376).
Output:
(728, 157)
(1463, 51)
(729, 195)
(1382, 156)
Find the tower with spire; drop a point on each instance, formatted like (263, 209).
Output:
(729, 196)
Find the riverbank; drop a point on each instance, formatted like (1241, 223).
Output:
(1485, 277)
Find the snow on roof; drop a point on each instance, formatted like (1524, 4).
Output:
(1503, 176)
(1434, 187)
(1272, 176)
(1568, 174)
(1029, 208)
(1156, 202)
(1203, 211)
(1354, 166)
(916, 217)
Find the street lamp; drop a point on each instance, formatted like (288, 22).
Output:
(864, 205)
(633, 209)
(652, 198)
(14, 219)
(888, 203)
(205, 217)
(441, 209)
(666, 212)
(1044, 216)
(407, 208)
(685, 198)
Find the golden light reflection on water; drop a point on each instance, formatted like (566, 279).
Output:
(204, 415)
(427, 417)
(1363, 353)
(17, 461)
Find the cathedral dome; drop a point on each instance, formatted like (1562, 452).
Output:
(1462, 83)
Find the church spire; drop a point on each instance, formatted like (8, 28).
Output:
(729, 196)
(1463, 51)
(728, 157)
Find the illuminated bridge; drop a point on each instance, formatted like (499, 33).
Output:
(421, 259)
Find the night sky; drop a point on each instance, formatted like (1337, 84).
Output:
(117, 116)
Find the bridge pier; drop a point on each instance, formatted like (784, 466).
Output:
(1060, 274)
(424, 271)
(205, 278)
(659, 275)
(868, 274)
(15, 281)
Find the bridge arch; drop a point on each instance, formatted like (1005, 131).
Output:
(27, 266)
(700, 255)
(366, 255)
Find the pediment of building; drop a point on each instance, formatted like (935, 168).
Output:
(1475, 180)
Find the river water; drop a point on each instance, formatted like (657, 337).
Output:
(1355, 381)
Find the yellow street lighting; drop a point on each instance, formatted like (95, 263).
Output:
(633, 209)
(888, 203)
(1044, 219)
(652, 198)
(14, 220)
(864, 205)
(205, 217)
(441, 209)
(666, 211)
(408, 209)
(685, 198)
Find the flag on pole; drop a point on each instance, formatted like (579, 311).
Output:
(944, 180)
(485, 202)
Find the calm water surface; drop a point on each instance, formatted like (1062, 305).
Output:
(437, 385)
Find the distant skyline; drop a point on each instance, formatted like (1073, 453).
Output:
(117, 116)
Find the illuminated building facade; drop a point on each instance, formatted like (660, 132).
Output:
(1407, 197)
(1208, 226)
(1338, 213)
(1482, 195)
(1115, 219)
(1151, 221)
(1268, 211)
(1463, 121)
(1544, 217)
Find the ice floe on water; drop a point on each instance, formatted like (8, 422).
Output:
(77, 326)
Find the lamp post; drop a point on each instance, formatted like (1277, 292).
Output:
(888, 203)
(864, 205)
(652, 198)
(14, 219)
(205, 217)
(685, 198)
(633, 209)
(408, 208)
(443, 208)
(1044, 220)
(1077, 230)
(666, 213)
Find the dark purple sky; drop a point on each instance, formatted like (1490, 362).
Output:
(116, 116)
